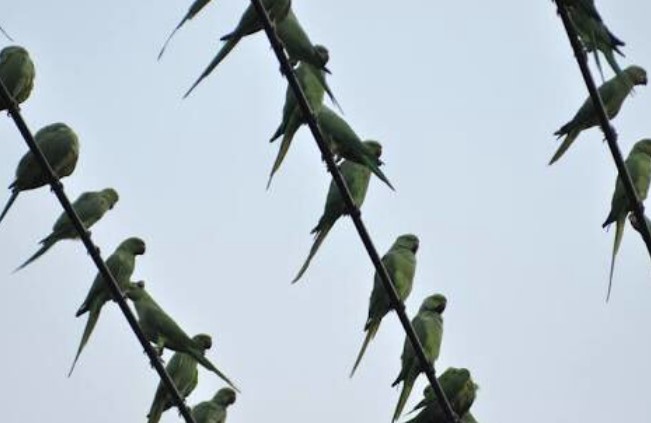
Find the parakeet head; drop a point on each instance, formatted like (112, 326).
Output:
(636, 74)
(225, 396)
(10, 50)
(135, 290)
(408, 241)
(204, 341)
(323, 56)
(435, 303)
(374, 147)
(134, 245)
(111, 196)
(643, 146)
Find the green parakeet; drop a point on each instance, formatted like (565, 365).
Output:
(90, 207)
(121, 264)
(309, 79)
(5, 34)
(60, 146)
(459, 389)
(428, 324)
(249, 24)
(160, 329)
(214, 411)
(182, 368)
(345, 143)
(613, 93)
(638, 164)
(400, 262)
(17, 73)
(194, 9)
(357, 178)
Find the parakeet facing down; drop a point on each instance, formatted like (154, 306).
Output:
(400, 262)
(298, 44)
(308, 77)
(194, 9)
(346, 144)
(357, 178)
(613, 93)
(90, 207)
(121, 264)
(161, 330)
(428, 324)
(182, 368)
(638, 164)
(60, 146)
(17, 73)
(249, 24)
(214, 411)
(459, 389)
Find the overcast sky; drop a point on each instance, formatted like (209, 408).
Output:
(464, 97)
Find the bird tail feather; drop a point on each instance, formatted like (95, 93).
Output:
(47, 244)
(370, 334)
(406, 390)
(14, 195)
(567, 142)
(223, 52)
(90, 325)
(318, 240)
(208, 365)
(619, 232)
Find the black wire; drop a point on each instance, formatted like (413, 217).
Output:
(611, 136)
(93, 251)
(353, 211)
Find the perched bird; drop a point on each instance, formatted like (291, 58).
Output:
(121, 264)
(17, 73)
(459, 389)
(249, 24)
(638, 164)
(428, 324)
(308, 77)
(214, 411)
(613, 93)
(357, 178)
(182, 368)
(60, 146)
(194, 9)
(345, 143)
(161, 330)
(90, 207)
(400, 262)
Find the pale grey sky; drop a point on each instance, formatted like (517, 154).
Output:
(464, 97)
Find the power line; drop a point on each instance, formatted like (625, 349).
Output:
(611, 136)
(352, 210)
(93, 251)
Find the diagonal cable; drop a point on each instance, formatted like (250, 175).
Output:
(93, 251)
(353, 211)
(637, 207)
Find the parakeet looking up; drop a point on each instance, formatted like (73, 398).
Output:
(90, 207)
(400, 262)
(161, 330)
(60, 146)
(182, 368)
(249, 24)
(357, 178)
(638, 164)
(194, 9)
(17, 73)
(613, 93)
(214, 411)
(428, 324)
(121, 264)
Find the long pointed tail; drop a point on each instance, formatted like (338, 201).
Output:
(90, 325)
(47, 244)
(167, 41)
(407, 385)
(282, 151)
(14, 195)
(378, 172)
(155, 413)
(208, 365)
(619, 231)
(370, 334)
(567, 142)
(223, 52)
(318, 240)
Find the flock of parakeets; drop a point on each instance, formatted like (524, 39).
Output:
(597, 38)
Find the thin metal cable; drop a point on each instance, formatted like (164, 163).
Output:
(93, 251)
(352, 210)
(608, 130)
